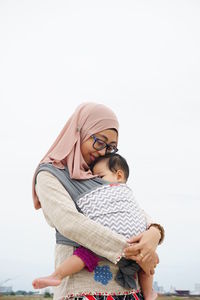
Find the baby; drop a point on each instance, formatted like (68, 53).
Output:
(115, 201)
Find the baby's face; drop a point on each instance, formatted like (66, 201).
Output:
(101, 169)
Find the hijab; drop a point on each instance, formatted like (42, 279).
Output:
(88, 119)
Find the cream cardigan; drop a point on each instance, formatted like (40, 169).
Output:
(61, 213)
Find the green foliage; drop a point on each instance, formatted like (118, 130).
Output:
(47, 295)
(12, 293)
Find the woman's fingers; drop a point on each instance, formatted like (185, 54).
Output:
(135, 250)
(132, 249)
(148, 267)
(131, 257)
(147, 263)
(137, 256)
(142, 245)
(134, 239)
(144, 258)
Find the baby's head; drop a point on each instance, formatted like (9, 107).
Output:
(112, 168)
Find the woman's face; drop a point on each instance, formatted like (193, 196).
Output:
(109, 136)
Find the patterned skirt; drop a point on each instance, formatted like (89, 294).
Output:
(135, 296)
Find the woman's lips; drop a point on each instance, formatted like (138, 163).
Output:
(92, 157)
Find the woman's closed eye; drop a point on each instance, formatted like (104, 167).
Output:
(100, 143)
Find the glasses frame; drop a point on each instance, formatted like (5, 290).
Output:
(96, 139)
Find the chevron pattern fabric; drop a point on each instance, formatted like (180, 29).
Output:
(114, 206)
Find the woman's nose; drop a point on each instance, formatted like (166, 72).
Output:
(102, 152)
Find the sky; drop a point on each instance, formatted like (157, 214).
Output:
(140, 58)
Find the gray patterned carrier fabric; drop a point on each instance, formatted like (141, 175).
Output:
(114, 206)
(111, 205)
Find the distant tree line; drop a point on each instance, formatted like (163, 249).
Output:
(25, 293)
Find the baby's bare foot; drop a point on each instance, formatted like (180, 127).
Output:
(40, 283)
(151, 296)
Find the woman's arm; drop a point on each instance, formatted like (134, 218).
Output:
(61, 213)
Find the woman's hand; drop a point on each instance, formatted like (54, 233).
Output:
(148, 267)
(142, 247)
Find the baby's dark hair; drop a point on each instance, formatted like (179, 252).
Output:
(114, 163)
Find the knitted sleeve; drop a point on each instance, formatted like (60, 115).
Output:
(61, 213)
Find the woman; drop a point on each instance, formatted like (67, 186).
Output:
(63, 175)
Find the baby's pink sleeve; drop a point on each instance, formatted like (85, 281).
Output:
(88, 257)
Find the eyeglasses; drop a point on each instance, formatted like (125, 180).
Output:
(99, 145)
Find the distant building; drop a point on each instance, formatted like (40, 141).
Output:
(182, 292)
(157, 288)
(172, 289)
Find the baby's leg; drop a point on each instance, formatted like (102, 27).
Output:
(146, 283)
(71, 265)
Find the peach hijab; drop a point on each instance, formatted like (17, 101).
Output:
(88, 118)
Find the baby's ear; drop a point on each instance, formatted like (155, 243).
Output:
(120, 176)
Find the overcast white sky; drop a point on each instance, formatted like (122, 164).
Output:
(141, 58)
